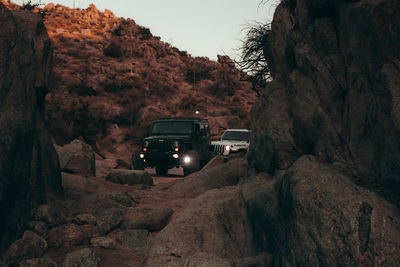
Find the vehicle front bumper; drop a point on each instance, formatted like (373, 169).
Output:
(168, 159)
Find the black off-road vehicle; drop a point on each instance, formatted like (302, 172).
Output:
(174, 142)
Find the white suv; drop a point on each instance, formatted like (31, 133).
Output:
(232, 141)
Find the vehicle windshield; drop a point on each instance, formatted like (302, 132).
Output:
(236, 135)
(172, 128)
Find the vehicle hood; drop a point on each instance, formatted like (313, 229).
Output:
(168, 137)
(235, 143)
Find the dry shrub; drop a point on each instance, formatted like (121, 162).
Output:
(238, 123)
(199, 68)
(76, 120)
(188, 103)
(158, 83)
(116, 85)
(113, 49)
(132, 109)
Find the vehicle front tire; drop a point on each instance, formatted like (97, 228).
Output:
(161, 171)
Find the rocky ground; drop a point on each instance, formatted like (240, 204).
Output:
(114, 219)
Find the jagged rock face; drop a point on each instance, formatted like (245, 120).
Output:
(335, 96)
(311, 215)
(28, 163)
(335, 92)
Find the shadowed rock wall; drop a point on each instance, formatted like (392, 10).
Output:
(326, 124)
(29, 171)
(335, 94)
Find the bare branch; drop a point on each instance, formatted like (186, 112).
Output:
(252, 59)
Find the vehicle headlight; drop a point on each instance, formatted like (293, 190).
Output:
(227, 148)
(187, 159)
(141, 156)
(175, 146)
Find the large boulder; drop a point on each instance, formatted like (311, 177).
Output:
(76, 186)
(82, 257)
(70, 235)
(153, 220)
(134, 239)
(29, 246)
(214, 223)
(311, 215)
(129, 177)
(335, 92)
(29, 171)
(97, 202)
(211, 177)
(109, 219)
(77, 158)
(52, 216)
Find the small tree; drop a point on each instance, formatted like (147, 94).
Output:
(30, 6)
(252, 59)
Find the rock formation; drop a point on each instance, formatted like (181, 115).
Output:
(29, 171)
(326, 138)
(335, 92)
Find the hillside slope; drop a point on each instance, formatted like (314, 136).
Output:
(109, 71)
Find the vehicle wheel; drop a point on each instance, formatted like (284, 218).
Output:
(137, 163)
(161, 171)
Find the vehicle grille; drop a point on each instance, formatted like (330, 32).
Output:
(219, 149)
(160, 145)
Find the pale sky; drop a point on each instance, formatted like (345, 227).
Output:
(202, 28)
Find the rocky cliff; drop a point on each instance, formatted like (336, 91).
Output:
(326, 132)
(29, 171)
(335, 92)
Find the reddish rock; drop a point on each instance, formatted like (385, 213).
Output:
(215, 223)
(98, 202)
(134, 239)
(76, 186)
(50, 215)
(109, 219)
(38, 227)
(29, 246)
(82, 257)
(77, 158)
(153, 220)
(212, 177)
(73, 235)
(82, 219)
(130, 177)
(103, 242)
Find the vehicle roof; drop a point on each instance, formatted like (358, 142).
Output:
(237, 130)
(182, 119)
